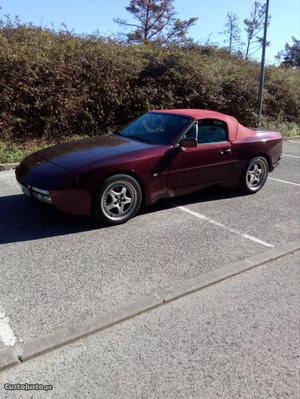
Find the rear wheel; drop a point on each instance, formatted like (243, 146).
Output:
(255, 175)
(117, 200)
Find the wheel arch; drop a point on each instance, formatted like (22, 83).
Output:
(264, 155)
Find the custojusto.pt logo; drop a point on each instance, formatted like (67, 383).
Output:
(28, 387)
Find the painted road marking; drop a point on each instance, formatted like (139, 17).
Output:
(294, 141)
(215, 223)
(292, 156)
(7, 335)
(284, 181)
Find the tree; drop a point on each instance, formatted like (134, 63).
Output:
(253, 27)
(290, 56)
(232, 31)
(156, 21)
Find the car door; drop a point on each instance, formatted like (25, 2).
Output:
(205, 164)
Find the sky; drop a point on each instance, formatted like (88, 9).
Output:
(90, 16)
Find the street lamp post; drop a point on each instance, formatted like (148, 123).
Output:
(262, 64)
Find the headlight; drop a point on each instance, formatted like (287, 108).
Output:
(41, 195)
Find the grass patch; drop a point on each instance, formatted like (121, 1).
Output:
(287, 129)
(14, 151)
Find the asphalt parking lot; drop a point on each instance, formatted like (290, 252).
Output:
(57, 270)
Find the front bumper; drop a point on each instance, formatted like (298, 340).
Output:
(36, 193)
(76, 202)
(48, 183)
(276, 163)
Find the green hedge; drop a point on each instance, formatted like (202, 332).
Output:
(58, 84)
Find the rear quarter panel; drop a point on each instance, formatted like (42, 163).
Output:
(245, 147)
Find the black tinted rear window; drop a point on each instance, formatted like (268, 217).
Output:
(212, 131)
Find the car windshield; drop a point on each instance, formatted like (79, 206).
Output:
(155, 128)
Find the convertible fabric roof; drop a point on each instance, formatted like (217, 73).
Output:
(232, 122)
(195, 113)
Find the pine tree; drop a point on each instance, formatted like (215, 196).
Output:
(254, 27)
(291, 54)
(232, 32)
(156, 22)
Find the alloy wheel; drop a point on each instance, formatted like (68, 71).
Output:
(256, 174)
(118, 200)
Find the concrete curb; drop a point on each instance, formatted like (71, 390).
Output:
(216, 276)
(8, 358)
(8, 166)
(73, 333)
(292, 139)
(67, 335)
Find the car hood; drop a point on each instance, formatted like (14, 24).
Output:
(90, 151)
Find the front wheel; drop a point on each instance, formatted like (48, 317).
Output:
(255, 175)
(117, 200)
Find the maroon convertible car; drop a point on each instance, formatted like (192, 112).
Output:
(161, 154)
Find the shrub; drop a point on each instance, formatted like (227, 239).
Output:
(55, 85)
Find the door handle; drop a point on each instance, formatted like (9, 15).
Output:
(225, 151)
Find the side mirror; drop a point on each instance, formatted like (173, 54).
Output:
(188, 142)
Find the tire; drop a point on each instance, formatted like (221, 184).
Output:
(255, 175)
(117, 200)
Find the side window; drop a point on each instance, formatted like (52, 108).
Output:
(212, 131)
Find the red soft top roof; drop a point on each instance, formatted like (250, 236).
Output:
(203, 114)
(196, 113)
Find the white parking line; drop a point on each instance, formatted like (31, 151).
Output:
(7, 335)
(207, 219)
(292, 156)
(294, 141)
(284, 181)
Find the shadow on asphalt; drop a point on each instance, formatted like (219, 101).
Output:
(23, 219)
(206, 195)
